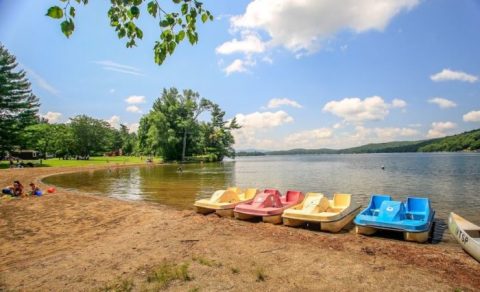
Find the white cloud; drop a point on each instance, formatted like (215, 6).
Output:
(473, 116)
(450, 75)
(42, 82)
(442, 102)
(133, 127)
(258, 120)
(255, 126)
(249, 44)
(356, 110)
(278, 102)
(52, 117)
(309, 138)
(399, 103)
(114, 121)
(135, 99)
(117, 67)
(236, 66)
(393, 133)
(133, 109)
(304, 25)
(440, 129)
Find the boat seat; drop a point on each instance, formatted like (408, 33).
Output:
(341, 201)
(248, 194)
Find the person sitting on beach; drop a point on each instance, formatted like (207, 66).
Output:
(17, 189)
(35, 190)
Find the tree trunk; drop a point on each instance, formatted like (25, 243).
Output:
(184, 144)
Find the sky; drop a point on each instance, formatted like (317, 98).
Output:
(295, 73)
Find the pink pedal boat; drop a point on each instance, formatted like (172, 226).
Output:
(269, 205)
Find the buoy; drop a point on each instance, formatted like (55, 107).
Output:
(51, 190)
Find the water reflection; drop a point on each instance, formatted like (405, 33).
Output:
(450, 180)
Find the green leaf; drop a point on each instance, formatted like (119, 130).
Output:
(176, 1)
(121, 33)
(204, 17)
(137, 2)
(180, 36)
(171, 47)
(139, 33)
(152, 8)
(55, 12)
(72, 11)
(67, 27)
(135, 11)
(184, 8)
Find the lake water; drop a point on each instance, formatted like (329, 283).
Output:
(450, 180)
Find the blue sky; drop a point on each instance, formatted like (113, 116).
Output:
(305, 73)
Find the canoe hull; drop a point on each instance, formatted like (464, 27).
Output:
(466, 233)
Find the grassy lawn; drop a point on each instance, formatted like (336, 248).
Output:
(93, 161)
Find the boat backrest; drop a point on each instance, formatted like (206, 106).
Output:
(417, 205)
(229, 196)
(250, 193)
(315, 202)
(216, 195)
(293, 197)
(267, 200)
(341, 200)
(271, 191)
(377, 200)
(235, 190)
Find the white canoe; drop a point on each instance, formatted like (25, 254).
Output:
(466, 233)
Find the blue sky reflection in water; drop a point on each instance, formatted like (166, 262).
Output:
(450, 180)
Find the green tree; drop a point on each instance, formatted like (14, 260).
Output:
(218, 138)
(18, 105)
(91, 136)
(123, 14)
(41, 137)
(172, 129)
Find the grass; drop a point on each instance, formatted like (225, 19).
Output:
(100, 160)
(119, 285)
(260, 274)
(167, 272)
(206, 262)
(235, 270)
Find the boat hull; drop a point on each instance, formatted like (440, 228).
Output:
(325, 224)
(203, 210)
(224, 212)
(466, 233)
(419, 237)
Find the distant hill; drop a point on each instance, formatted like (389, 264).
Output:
(467, 141)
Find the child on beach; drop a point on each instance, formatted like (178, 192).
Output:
(35, 190)
(16, 190)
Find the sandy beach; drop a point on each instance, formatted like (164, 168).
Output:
(80, 242)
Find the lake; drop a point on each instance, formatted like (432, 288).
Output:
(450, 180)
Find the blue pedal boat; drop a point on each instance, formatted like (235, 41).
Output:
(414, 217)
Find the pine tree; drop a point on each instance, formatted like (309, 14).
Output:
(18, 105)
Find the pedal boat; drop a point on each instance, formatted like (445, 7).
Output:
(222, 202)
(414, 217)
(466, 233)
(269, 205)
(332, 215)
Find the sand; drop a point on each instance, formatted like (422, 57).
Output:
(70, 241)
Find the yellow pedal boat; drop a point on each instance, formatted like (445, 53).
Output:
(222, 202)
(332, 215)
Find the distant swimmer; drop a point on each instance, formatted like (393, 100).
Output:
(383, 167)
(179, 169)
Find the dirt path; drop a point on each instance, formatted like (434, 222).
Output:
(78, 242)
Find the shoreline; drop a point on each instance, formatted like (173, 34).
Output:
(75, 240)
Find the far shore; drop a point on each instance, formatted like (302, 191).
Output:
(70, 240)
